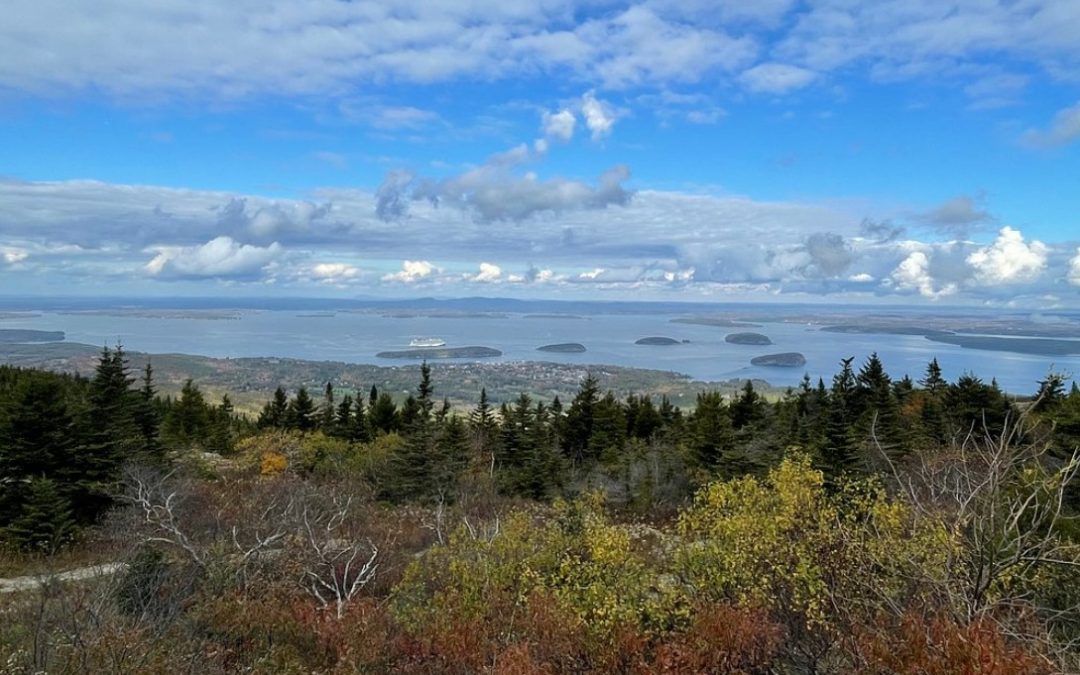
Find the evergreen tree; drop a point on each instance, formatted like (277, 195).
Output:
(343, 417)
(148, 420)
(328, 413)
(38, 439)
(712, 437)
(274, 412)
(838, 453)
(112, 436)
(44, 521)
(301, 413)
(748, 408)
(383, 414)
(933, 383)
(220, 438)
(579, 419)
(608, 429)
(188, 420)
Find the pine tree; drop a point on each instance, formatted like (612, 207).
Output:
(274, 412)
(38, 439)
(711, 434)
(45, 521)
(838, 453)
(148, 420)
(112, 436)
(748, 408)
(301, 413)
(328, 414)
(383, 413)
(579, 419)
(933, 383)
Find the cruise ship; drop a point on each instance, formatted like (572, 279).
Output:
(427, 342)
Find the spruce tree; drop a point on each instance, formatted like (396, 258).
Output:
(274, 412)
(579, 419)
(44, 521)
(301, 413)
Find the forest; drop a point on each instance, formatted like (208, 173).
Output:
(862, 525)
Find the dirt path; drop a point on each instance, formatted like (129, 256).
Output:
(29, 583)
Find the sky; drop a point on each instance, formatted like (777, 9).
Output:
(915, 152)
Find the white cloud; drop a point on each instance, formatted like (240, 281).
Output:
(1074, 269)
(489, 273)
(776, 78)
(412, 271)
(1064, 129)
(220, 257)
(498, 191)
(599, 116)
(102, 233)
(335, 273)
(559, 126)
(914, 274)
(12, 256)
(1009, 259)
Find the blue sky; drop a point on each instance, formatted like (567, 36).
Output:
(797, 151)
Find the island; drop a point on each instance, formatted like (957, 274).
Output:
(878, 329)
(716, 322)
(659, 341)
(1037, 346)
(15, 335)
(748, 339)
(563, 348)
(442, 353)
(784, 360)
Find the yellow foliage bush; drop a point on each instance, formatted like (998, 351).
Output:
(272, 464)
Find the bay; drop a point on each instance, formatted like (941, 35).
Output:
(357, 336)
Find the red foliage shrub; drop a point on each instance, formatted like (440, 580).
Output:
(721, 639)
(941, 646)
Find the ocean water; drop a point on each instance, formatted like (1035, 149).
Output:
(357, 336)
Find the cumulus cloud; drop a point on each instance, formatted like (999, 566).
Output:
(1009, 259)
(411, 272)
(829, 253)
(600, 116)
(220, 257)
(391, 200)
(1074, 269)
(497, 191)
(489, 273)
(335, 273)
(271, 219)
(914, 273)
(1064, 129)
(776, 78)
(659, 241)
(559, 125)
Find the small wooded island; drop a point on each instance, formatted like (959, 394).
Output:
(784, 360)
(659, 341)
(563, 348)
(748, 339)
(442, 353)
(14, 335)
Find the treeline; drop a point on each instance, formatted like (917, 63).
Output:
(643, 449)
(64, 440)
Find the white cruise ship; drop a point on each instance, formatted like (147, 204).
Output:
(427, 342)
